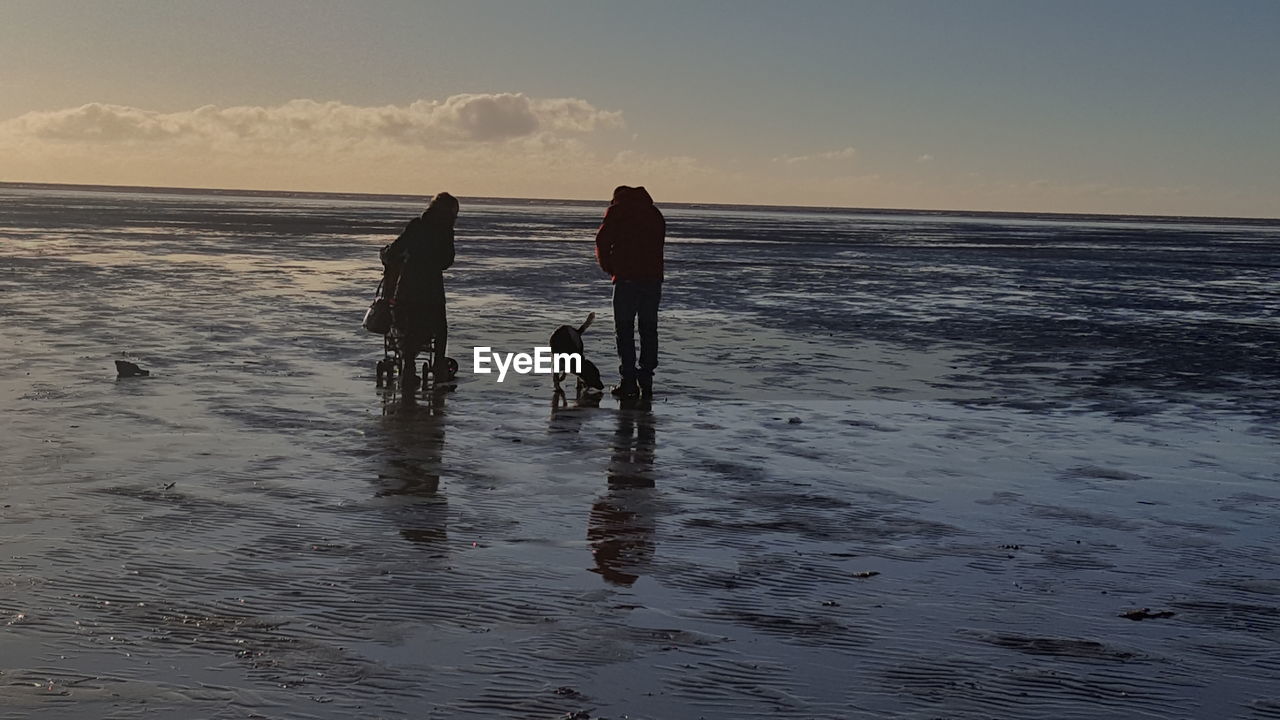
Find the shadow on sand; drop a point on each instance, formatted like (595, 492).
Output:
(622, 523)
(412, 439)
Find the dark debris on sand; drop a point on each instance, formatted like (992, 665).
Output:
(1146, 614)
(126, 369)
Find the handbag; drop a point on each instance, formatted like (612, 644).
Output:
(377, 319)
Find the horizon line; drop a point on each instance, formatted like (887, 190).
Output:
(317, 194)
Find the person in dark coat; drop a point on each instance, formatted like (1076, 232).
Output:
(629, 246)
(414, 280)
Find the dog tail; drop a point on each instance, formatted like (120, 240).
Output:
(587, 324)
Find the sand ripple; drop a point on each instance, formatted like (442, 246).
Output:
(907, 468)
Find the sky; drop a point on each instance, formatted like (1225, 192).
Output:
(1119, 106)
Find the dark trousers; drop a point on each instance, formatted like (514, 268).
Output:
(633, 300)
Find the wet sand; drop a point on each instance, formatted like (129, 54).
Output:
(923, 473)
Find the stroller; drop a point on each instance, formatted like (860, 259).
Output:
(392, 362)
(378, 320)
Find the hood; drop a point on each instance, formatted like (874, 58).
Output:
(632, 196)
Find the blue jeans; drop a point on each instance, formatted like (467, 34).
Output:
(632, 300)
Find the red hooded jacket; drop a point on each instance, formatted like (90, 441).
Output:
(629, 241)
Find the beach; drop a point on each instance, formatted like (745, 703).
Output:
(899, 465)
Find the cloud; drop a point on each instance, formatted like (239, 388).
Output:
(301, 124)
(925, 158)
(474, 143)
(846, 153)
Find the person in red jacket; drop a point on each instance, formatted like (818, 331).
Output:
(629, 248)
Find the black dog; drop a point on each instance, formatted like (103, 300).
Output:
(568, 339)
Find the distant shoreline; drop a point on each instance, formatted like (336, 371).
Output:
(393, 197)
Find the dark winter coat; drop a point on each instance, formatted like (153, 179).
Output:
(629, 241)
(414, 275)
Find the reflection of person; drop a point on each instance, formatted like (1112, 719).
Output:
(629, 248)
(622, 523)
(414, 281)
(409, 470)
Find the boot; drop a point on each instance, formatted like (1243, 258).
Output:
(627, 389)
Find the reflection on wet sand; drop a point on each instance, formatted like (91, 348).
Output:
(409, 468)
(226, 538)
(566, 418)
(581, 399)
(621, 527)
